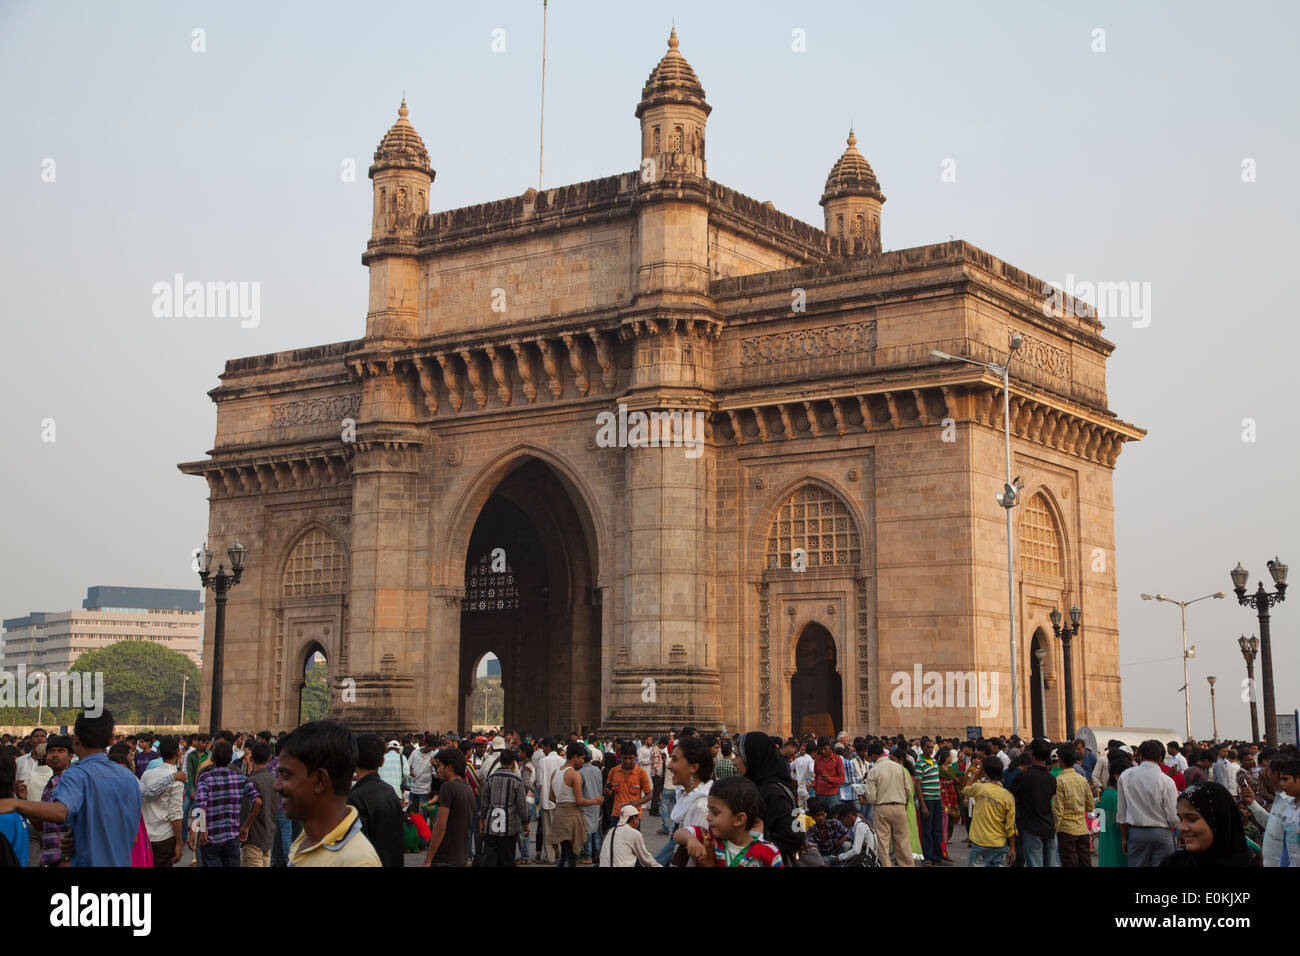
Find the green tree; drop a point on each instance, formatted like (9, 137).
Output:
(143, 682)
(142, 685)
(315, 701)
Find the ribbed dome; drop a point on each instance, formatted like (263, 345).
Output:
(852, 176)
(672, 81)
(402, 146)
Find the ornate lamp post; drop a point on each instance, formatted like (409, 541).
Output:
(1041, 655)
(1008, 498)
(220, 583)
(1249, 648)
(1213, 713)
(1261, 601)
(1067, 634)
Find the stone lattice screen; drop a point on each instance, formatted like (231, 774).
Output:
(1040, 539)
(815, 520)
(315, 566)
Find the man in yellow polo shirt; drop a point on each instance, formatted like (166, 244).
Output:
(993, 822)
(316, 765)
(1070, 809)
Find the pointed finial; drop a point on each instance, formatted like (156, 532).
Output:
(852, 140)
(672, 40)
(402, 110)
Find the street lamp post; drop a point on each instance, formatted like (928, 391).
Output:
(1041, 655)
(1261, 601)
(220, 583)
(185, 680)
(1249, 648)
(1187, 698)
(1213, 712)
(1008, 499)
(1067, 634)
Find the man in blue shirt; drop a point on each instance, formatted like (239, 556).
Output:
(98, 799)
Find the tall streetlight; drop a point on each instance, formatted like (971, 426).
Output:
(1261, 601)
(1041, 655)
(1249, 648)
(185, 680)
(1213, 712)
(1066, 635)
(1008, 498)
(1187, 699)
(220, 583)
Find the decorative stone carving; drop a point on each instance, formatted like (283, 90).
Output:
(551, 368)
(808, 343)
(525, 365)
(499, 372)
(1040, 355)
(449, 379)
(605, 357)
(331, 408)
(577, 362)
(475, 377)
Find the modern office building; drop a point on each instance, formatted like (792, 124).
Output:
(53, 640)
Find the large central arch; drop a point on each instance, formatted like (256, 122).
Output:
(528, 568)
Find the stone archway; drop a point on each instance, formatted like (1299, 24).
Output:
(816, 688)
(530, 599)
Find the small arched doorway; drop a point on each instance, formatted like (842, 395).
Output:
(1037, 704)
(487, 701)
(816, 690)
(314, 691)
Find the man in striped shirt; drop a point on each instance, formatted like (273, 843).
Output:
(929, 805)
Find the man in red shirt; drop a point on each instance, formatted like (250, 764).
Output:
(628, 782)
(828, 773)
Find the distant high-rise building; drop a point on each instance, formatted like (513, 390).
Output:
(53, 640)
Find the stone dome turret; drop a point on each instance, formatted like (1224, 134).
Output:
(672, 81)
(851, 175)
(401, 147)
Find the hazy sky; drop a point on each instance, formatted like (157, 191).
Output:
(226, 165)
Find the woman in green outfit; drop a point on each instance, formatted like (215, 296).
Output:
(1110, 850)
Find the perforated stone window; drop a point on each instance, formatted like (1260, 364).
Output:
(315, 566)
(1040, 539)
(657, 146)
(486, 590)
(677, 139)
(818, 522)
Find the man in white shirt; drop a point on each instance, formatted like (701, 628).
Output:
(1175, 759)
(421, 767)
(27, 763)
(803, 773)
(1147, 808)
(164, 799)
(624, 845)
(546, 768)
(645, 755)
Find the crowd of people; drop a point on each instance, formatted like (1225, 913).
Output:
(321, 795)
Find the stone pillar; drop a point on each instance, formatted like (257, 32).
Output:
(388, 608)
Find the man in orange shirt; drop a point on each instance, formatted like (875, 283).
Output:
(628, 782)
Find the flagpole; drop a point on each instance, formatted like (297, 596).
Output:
(542, 136)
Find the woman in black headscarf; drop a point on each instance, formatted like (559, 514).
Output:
(758, 758)
(1210, 826)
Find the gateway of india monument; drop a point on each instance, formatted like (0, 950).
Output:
(442, 487)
